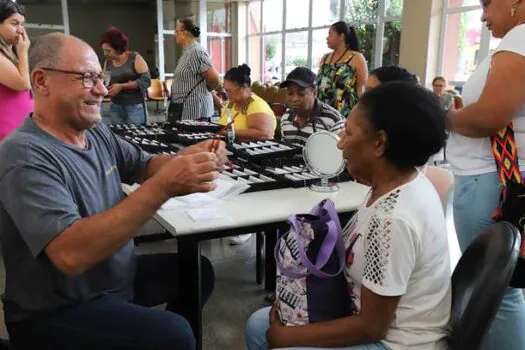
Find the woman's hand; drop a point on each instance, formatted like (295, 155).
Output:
(114, 90)
(23, 43)
(275, 334)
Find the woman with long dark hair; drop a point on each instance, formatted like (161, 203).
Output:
(15, 84)
(342, 76)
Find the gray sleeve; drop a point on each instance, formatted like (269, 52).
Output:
(202, 61)
(39, 202)
(143, 79)
(131, 159)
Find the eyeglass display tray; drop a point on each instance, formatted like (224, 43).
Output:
(189, 139)
(257, 180)
(194, 126)
(298, 176)
(263, 151)
(152, 132)
(151, 146)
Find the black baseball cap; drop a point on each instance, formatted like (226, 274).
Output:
(301, 76)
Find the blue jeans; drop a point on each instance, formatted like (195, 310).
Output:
(259, 323)
(475, 199)
(111, 322)
(128, 114)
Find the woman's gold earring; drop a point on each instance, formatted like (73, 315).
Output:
(513, 10)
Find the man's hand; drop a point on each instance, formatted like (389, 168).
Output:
(187, 174)
(114, 90)
(206, 146)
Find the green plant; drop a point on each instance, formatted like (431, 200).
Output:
(271, 50)
(299, 62)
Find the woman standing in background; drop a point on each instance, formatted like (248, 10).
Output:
(129, 81)
(343, 73)
(194, 76)
(15, 84)
(494, 97)
(439, 85)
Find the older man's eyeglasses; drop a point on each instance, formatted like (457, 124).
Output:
(89, 79)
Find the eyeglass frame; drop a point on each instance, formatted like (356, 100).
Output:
(94, 77)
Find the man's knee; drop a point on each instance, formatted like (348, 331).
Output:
(174, 333)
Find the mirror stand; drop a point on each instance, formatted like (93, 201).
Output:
(325, 186)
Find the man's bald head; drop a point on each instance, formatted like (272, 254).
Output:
(48, 50)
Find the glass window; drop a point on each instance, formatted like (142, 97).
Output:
(326, 12)
(366, 33)
(297, 14)
(296, 51)
(460, 3)
(219, 17)
(394, 8)
(391, 43)
(214, 49)
(273, 57)
(319, 48)
(461, 54)
(254, 57)
(254, 17)
(273, 15)
(227, 53)
(361, 11)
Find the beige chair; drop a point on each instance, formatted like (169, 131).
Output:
(443, 181)
(156, 92)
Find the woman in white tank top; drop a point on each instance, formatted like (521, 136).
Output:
(494, 96)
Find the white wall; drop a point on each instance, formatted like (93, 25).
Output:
(89, 21)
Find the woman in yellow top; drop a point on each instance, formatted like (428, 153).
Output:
(253, 117)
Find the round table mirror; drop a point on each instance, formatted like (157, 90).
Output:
(324, 159)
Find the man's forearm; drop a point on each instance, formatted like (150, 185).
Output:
(92, 240)
(154, 165)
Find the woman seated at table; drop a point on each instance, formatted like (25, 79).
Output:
(398, 271)
(306, 113)
(252, 117)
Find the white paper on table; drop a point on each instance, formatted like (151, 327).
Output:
(226, 189)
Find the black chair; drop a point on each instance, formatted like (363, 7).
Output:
(479, 282)
(4, 345)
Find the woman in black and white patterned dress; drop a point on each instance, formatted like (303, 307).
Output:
(194, 76)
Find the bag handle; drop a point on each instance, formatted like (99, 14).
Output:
(333, 240)
(193, 88)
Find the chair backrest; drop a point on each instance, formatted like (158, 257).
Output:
(259, 90)
(271, 94)
(443, 181)
(167, 87)
(479, 282)
(156, 89)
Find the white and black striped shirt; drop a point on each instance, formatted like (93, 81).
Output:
(199, 103)
(326, 118)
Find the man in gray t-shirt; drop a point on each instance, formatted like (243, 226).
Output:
(65, 227)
